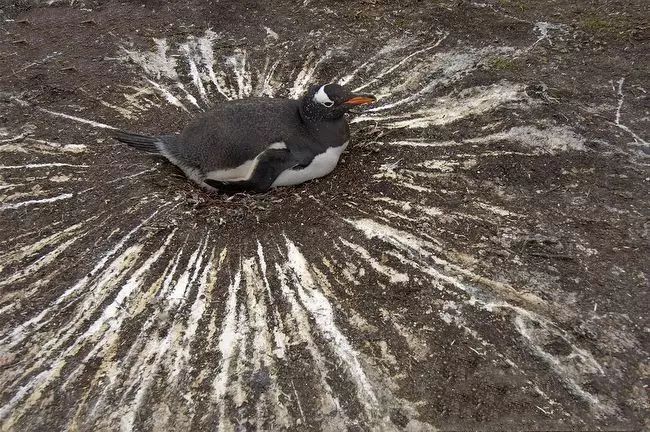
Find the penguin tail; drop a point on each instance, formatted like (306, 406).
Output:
(145, 143)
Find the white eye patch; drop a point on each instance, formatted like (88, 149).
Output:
(322, 98)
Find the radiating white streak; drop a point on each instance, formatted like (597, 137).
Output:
(200, 58)
(228, 341)
(207, 55)
(574, 369)
(300, 327)
(42, 165)
(191, 57)
(417, 263)
(14, 240)
(155, 351)
(18, 334)
(239, 385)
(113, 314)
(32, 389)
(28, 250)
(237, 62)
(399, 179)
(211, 282)
(77, 119)
(264, 83)
(261, 344)
(104, 332)
(18, 137)
(481, 290)
(333, 268)
(12, 206)
(344, 80)
(152, 355)
(114, 273)
(390, 47)
(617, 119)
(34, 63)
(99, 334)
(174, 357)
(185, 280)
(321, 311)
(156, 63)
(446, 67)
(392, 214)
(188, 96)
(39, 263)
(138, 101)
(441, 165)
(459, 320)
(621, 98)
(401, 63)
(412, 143)
(393, 275)
(453, 107)
(406, 206)
(169, 97)
(200, 276)
(552, 139)
(28, 193)
(426, 174)
(72, 148)
(306, 74)
(124, 112)
(424, 249)
(11, 186)
(497, 210)
(130, 176)
(140, 365)
(346, 268)
(279, 332)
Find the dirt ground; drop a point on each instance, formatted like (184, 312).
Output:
(477, 261)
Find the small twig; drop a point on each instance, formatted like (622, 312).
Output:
(617, 120)
(542, 410)
(481, 354)
(552, 256)
(302, 414)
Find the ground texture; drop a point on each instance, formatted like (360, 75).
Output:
(478, 260)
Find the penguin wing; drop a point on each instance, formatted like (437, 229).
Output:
(301, 149)
(261, 175)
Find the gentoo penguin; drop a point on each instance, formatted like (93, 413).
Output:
(259, 143)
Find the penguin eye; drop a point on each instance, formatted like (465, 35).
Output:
(328, 104)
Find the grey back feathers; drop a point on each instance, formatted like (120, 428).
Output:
(237, 131)
(250, 143)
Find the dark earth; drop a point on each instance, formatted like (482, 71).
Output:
(477, 261)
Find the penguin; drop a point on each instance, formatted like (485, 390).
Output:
(260, 143)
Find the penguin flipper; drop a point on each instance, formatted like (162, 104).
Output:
(229, 187)
(268, 168)
(145, 143)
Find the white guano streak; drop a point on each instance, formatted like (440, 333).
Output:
(321, 310)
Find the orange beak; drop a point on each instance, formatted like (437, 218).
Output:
(360, 100)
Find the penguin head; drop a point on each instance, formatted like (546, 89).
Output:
(331, 101)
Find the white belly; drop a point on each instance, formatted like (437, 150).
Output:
(322, 165)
